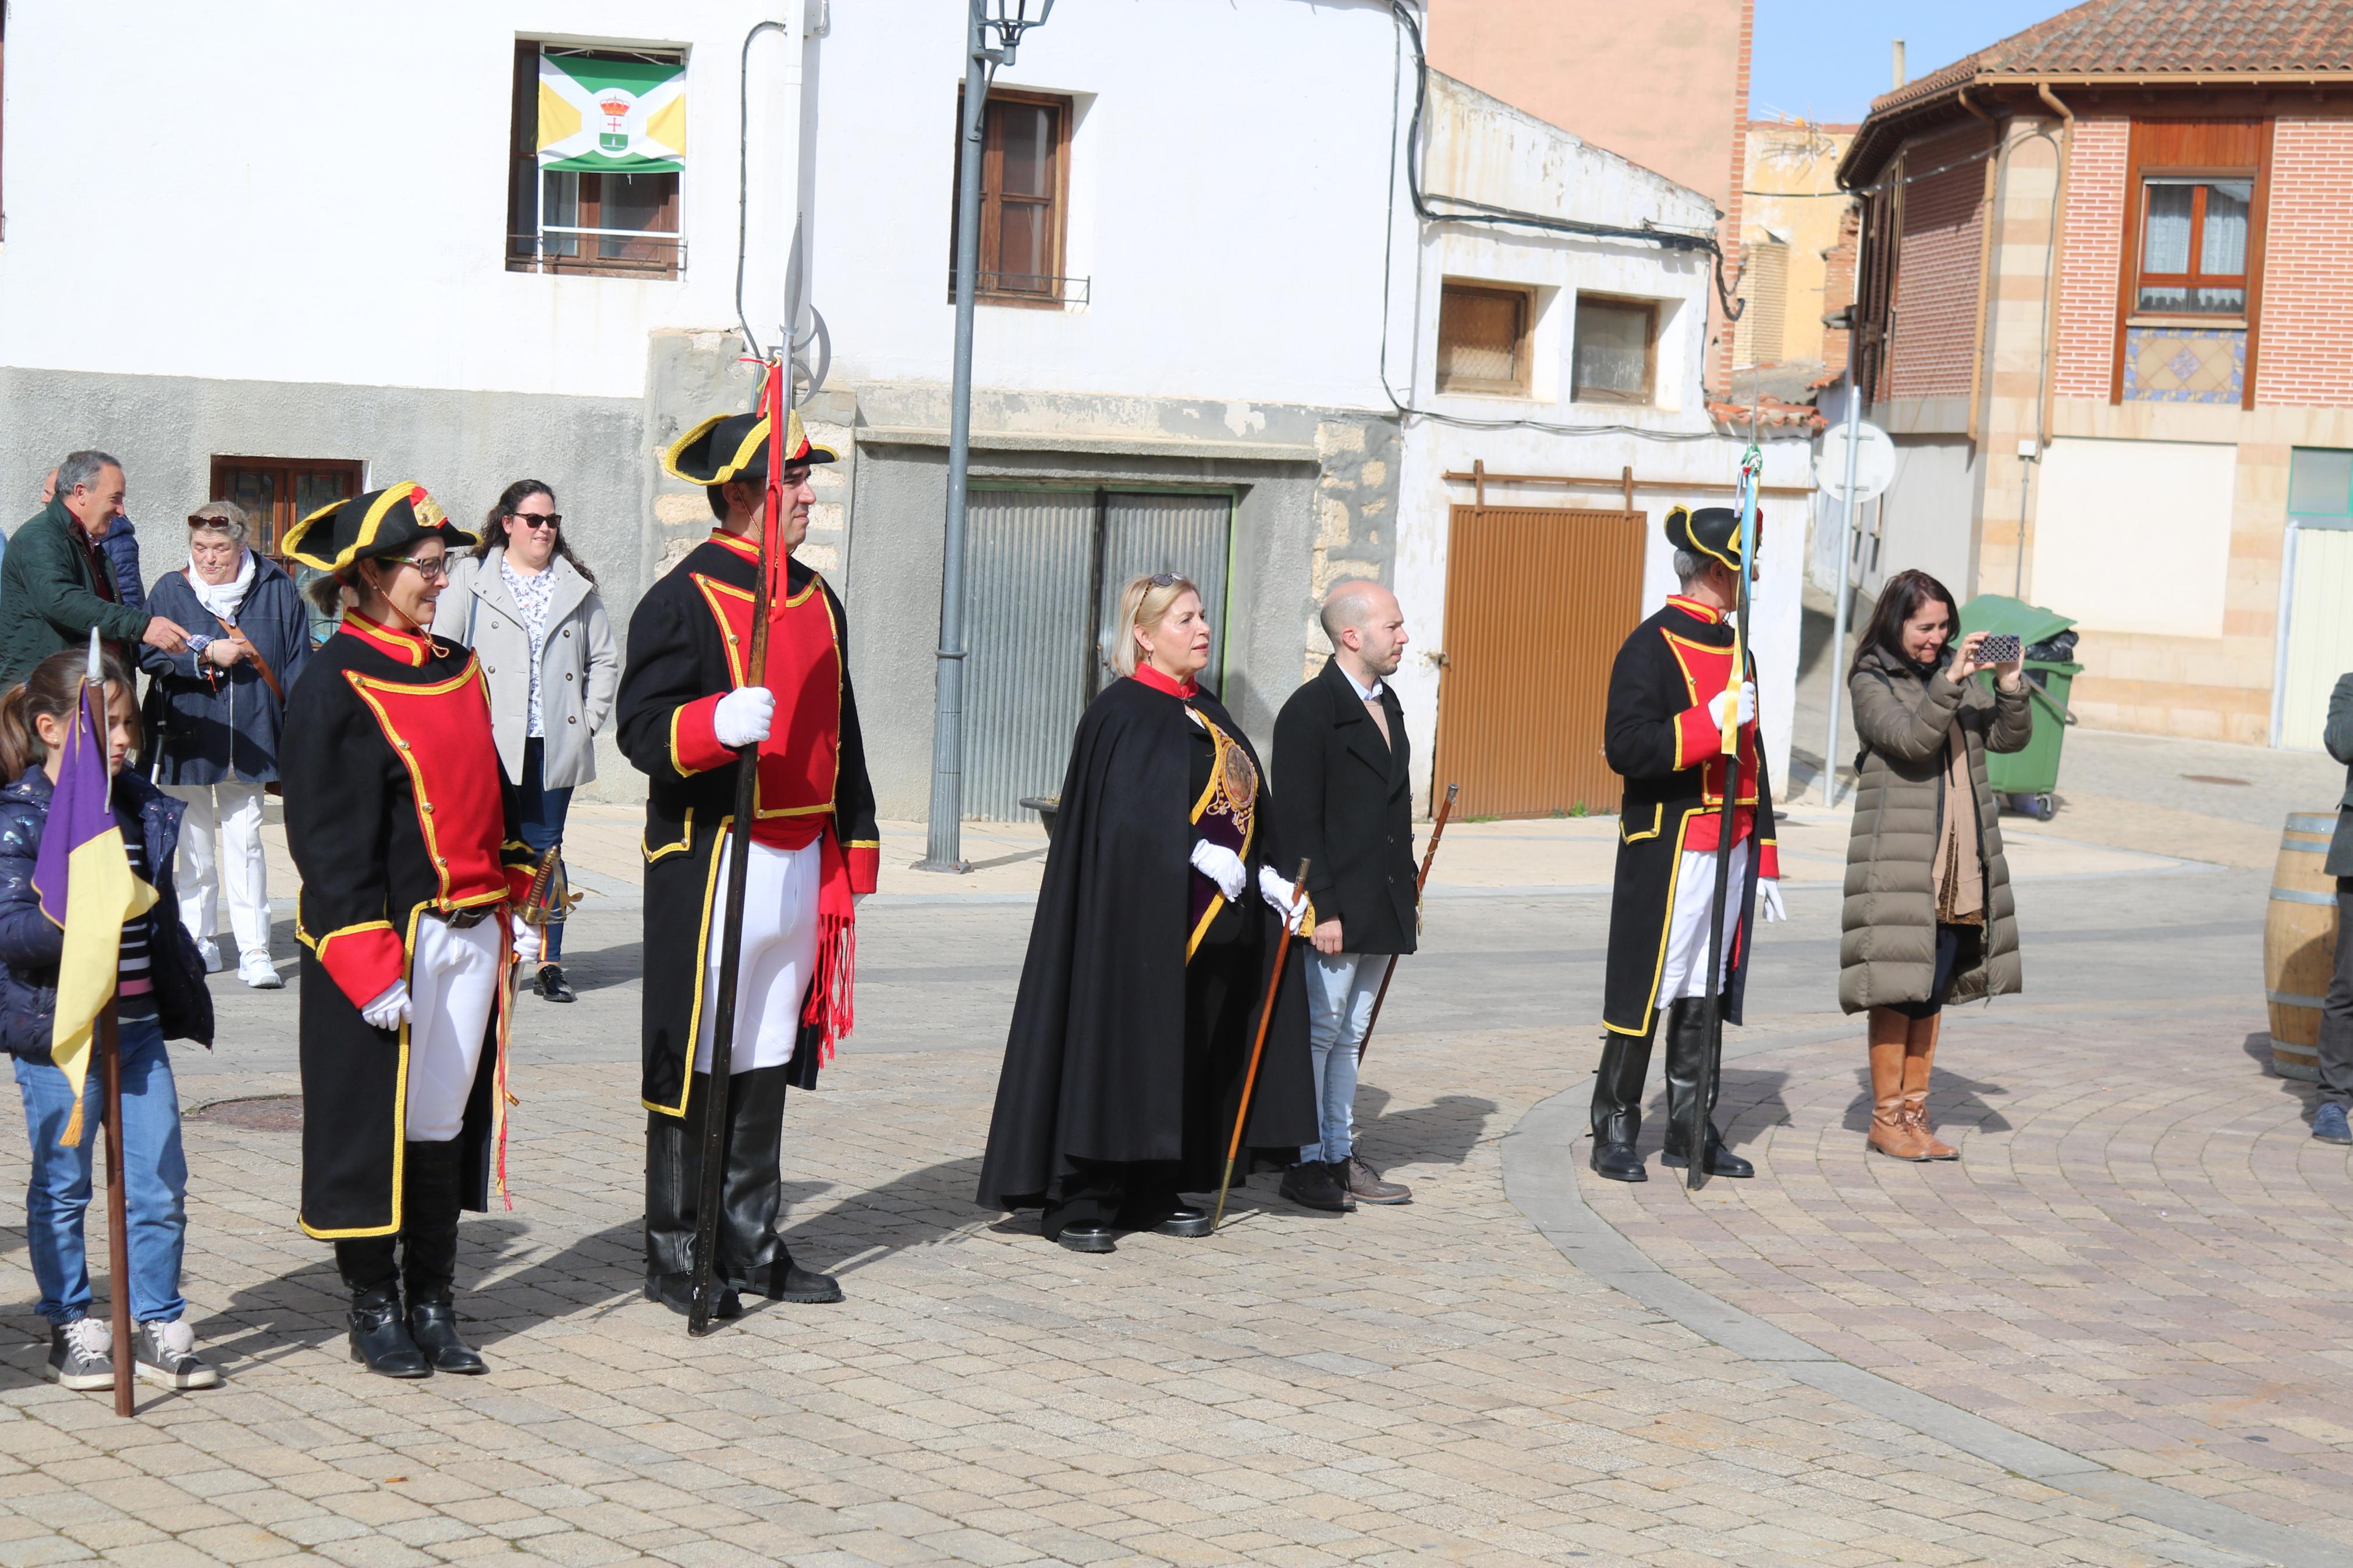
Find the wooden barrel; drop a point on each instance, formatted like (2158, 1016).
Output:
(2300, 944)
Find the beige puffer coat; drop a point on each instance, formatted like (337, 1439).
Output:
(1887, 953)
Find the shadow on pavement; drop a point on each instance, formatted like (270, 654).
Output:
(1953, 1097)
(1442, 1133)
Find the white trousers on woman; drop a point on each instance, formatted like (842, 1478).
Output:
(453, 983)
(779, 957)
(220, 849)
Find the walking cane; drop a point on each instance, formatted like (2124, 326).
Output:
(709, 1176)
(1711, 1064)
(1436, 831)
(1249, 1080)
(118, 1227)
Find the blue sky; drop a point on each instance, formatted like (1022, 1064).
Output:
(1827, 59)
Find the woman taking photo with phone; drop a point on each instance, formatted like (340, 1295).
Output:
(1928, 916)
(528, 606)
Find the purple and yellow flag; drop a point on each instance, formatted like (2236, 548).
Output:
(86, 886)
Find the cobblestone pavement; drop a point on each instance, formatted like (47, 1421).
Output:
(2138, 1259)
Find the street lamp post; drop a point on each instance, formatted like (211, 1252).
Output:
(1009, 19)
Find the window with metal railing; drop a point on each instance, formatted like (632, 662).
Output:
(598, 149)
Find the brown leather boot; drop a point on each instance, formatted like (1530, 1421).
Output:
(1891, 1134)
(1919, 1051)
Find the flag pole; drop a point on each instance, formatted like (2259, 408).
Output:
(117, 1235)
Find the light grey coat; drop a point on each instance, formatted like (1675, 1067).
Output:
(1887, 949)
(580, 668)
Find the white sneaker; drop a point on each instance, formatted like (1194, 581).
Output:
(258, 972)
(165, 1353)
(210, 952)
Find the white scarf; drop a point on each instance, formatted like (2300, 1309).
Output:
(222, 599)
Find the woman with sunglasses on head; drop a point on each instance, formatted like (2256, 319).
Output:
(1157, 923)
(528, 607)
(405, 837)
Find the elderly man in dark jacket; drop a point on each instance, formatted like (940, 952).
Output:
(56, 583)
(1344, 798)
(2328, 1122)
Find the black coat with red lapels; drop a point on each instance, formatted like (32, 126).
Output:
(688, 642)
(396, 811)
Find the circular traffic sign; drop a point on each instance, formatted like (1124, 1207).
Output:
(1875, 461)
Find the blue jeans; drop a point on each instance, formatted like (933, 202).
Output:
(1340, 992)
(154, 1180)
(544, 811)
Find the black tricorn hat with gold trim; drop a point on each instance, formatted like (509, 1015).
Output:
(1710, 533)
(381, 522)
(735, 447)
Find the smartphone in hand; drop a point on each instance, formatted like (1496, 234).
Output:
(1998, 647)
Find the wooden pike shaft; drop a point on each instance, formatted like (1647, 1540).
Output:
(1436, 831)
(1249, 1080)
(118, 1232)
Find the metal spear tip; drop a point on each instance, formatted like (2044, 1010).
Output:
(97, 659)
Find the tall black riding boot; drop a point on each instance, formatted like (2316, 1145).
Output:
(1688, 1039)
(380, 1338)
(751, 1255)
(1617, 1107)
(431, 1202)
(673, 1157)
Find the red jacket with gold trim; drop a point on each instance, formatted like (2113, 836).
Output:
(688, 641)
(1660, 737)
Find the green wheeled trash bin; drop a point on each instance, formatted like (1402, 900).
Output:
(2024, 781)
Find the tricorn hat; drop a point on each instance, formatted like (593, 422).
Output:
(381, 522)
(735, 447)
(1713, 533)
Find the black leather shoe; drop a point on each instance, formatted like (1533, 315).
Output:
(1309, 1183)
(433, 1325)
(551, 983)
(800, 1284)
(676, 1291)
(380, 1337)
(1184, 1220)
(1089, 1238)
(1619, 1163)
(1721, 1161)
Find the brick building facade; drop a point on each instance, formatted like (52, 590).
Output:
(2106, 307)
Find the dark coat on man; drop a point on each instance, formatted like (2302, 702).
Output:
(1677, 662)
(210, 725)
(1101, 1061)
(120, 545)
(50, 595)
(1347, 804)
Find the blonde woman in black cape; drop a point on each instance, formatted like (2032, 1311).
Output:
(1161, 909)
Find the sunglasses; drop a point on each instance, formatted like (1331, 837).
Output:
(552, 519)
(1166, 579)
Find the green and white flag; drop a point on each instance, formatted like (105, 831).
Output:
(620, 117)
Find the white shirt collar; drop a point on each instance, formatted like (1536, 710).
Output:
(1367, 692)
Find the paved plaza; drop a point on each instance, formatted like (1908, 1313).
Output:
(2115, 1332)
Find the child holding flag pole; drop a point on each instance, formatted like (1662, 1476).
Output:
(91, 947)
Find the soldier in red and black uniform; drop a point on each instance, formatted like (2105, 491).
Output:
(1664, 733)
(403, 827)
(689, 709)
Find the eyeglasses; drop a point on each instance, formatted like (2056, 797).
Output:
(439, 566)
(552, 519)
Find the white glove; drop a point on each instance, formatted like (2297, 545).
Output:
(390, 1010)
(1748, 703)
(1288, 902)
(526, 940)
(1221, 866)
(744, 716)
(1770, 907)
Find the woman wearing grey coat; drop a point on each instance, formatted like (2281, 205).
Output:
(1928, 916)
(528, 608)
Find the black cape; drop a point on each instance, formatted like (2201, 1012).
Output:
(1094, 1062)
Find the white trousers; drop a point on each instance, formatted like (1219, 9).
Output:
(453, 983)
(779, 957)
(1684, 973)
(220, 849)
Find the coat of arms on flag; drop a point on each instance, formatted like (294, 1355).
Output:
(598, 115)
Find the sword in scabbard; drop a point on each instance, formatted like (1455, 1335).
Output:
(1436, 831)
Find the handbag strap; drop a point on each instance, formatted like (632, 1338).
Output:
(237, 635)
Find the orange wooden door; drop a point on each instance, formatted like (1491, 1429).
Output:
(1537, 602)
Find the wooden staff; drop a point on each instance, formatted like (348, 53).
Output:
(710, 1176)
(118, 1225)
(1249, 1080)
(1436, 831)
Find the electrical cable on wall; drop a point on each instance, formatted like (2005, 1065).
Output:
(743, 179)
(1507, 217)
